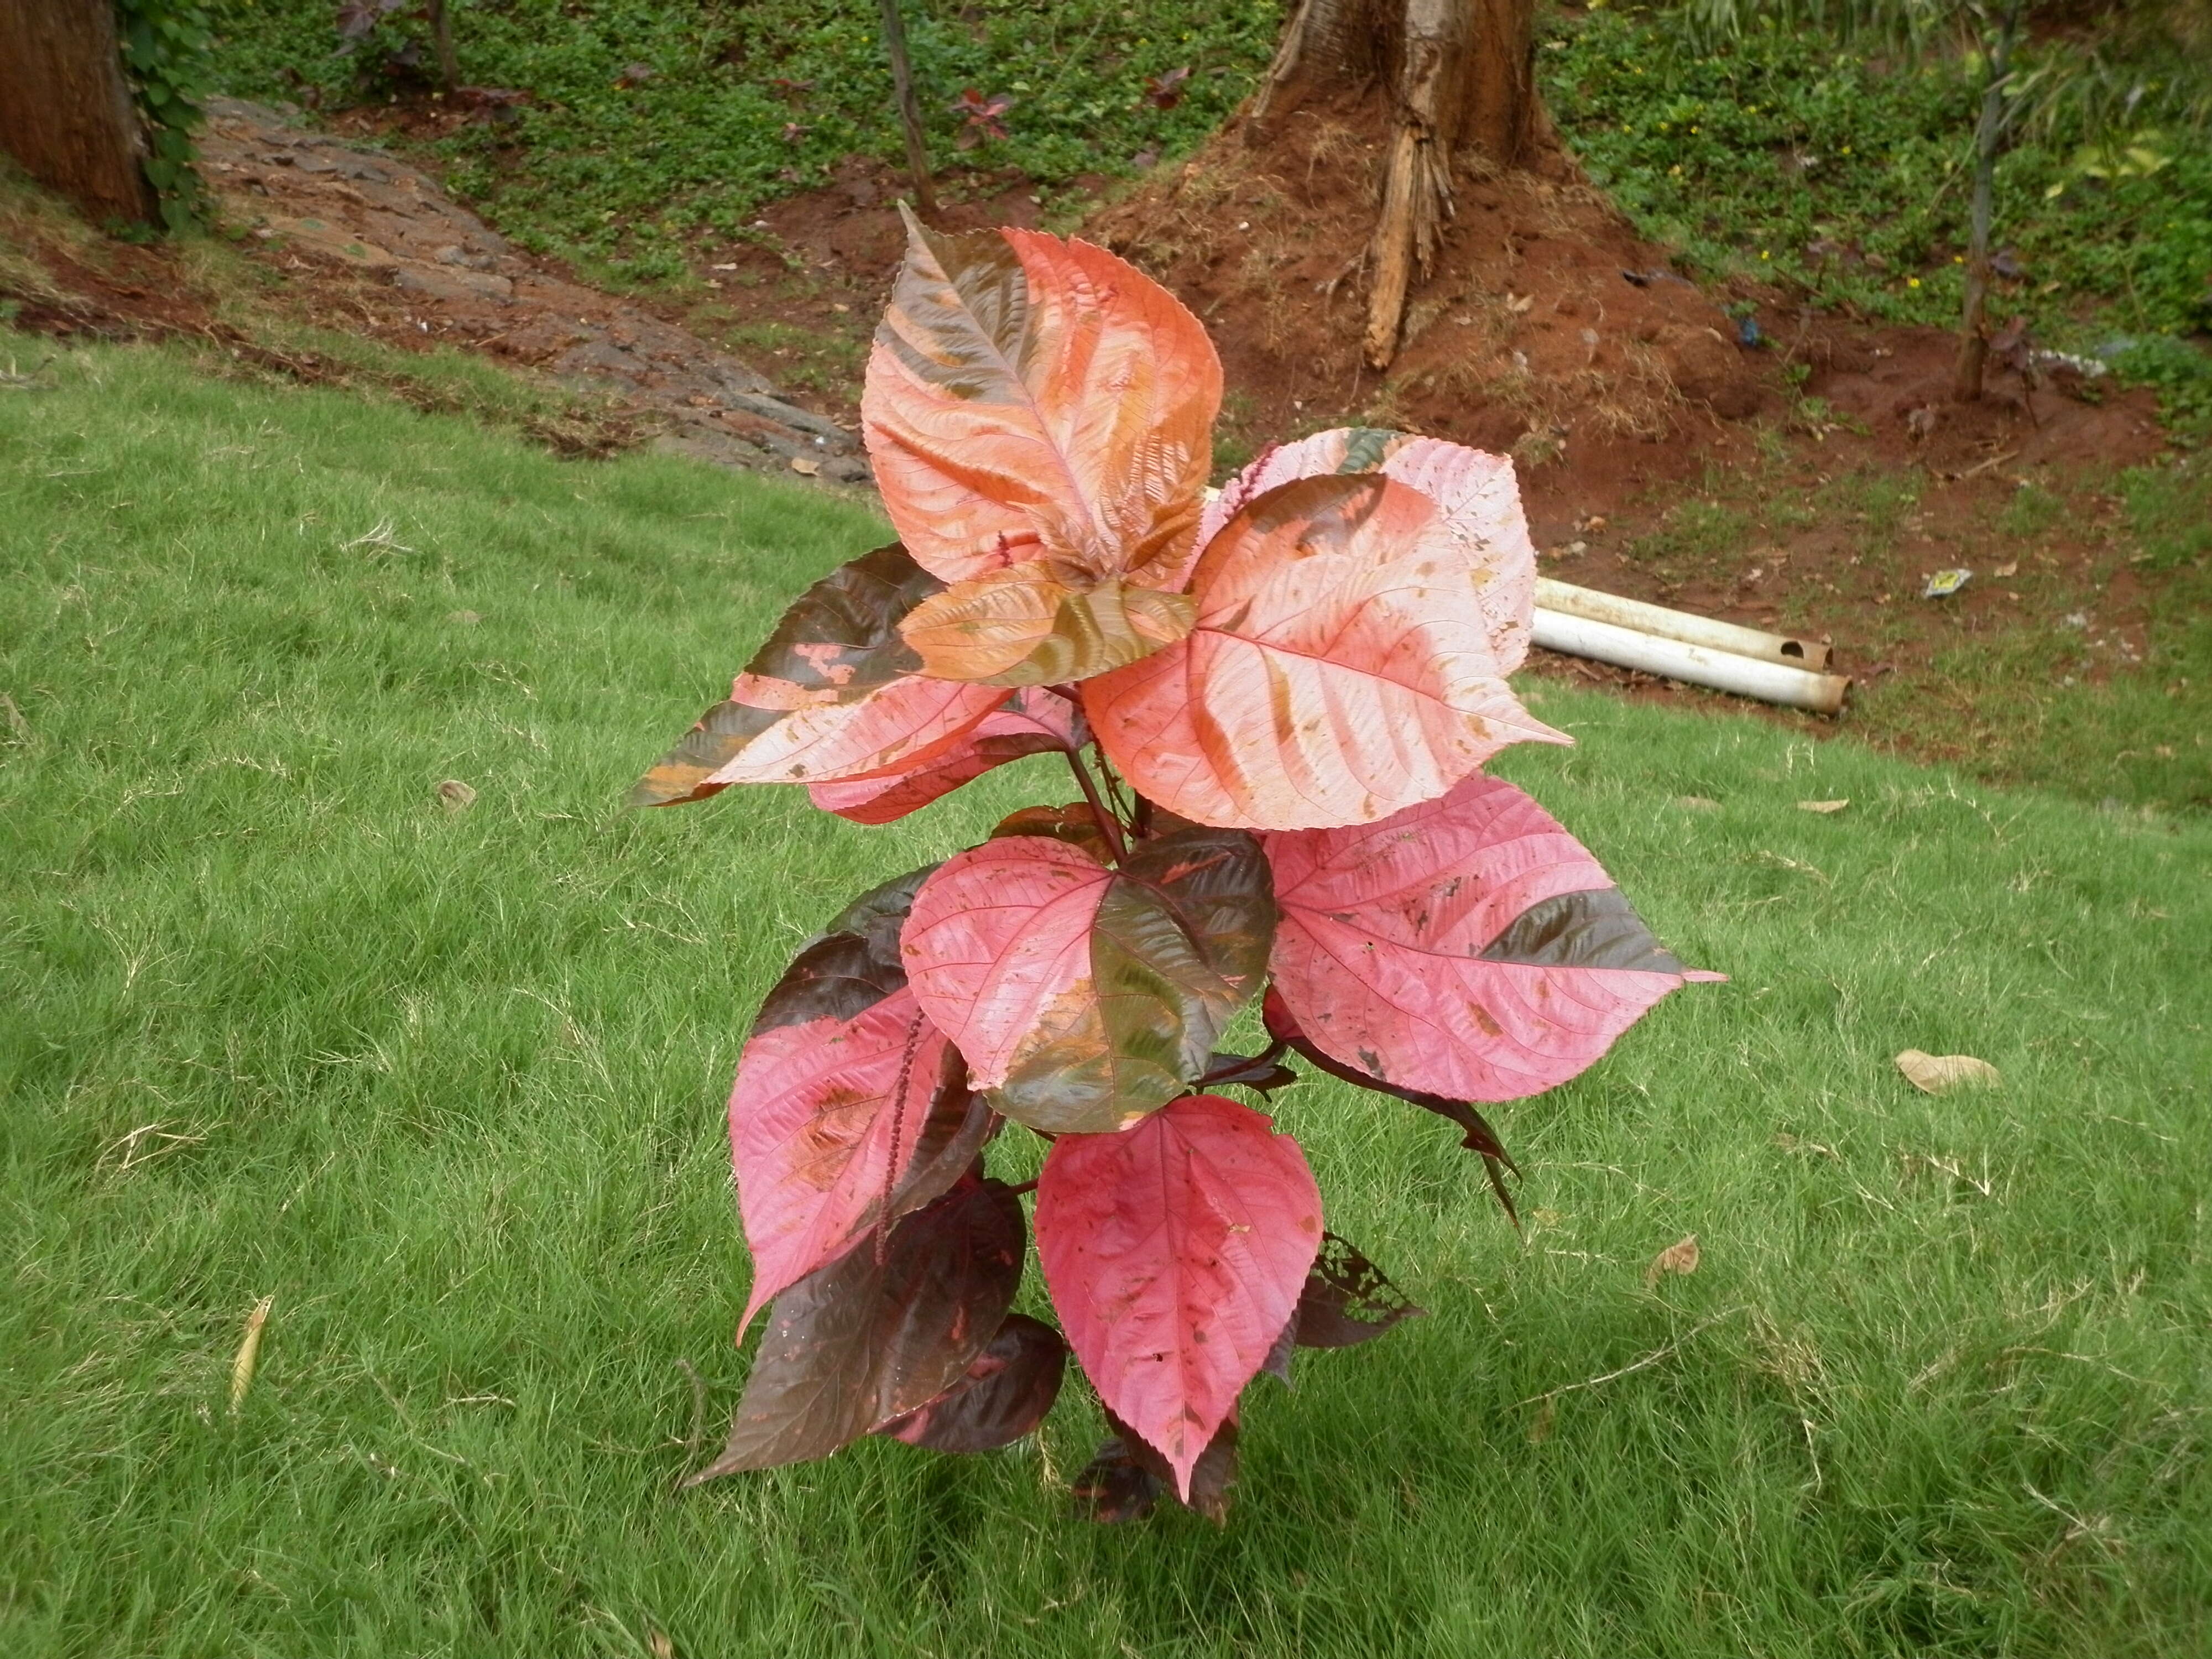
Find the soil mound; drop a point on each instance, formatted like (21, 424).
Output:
(1546, 328)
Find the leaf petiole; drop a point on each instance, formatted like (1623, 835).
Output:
(1108, 826)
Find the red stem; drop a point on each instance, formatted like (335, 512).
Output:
(1108, 826)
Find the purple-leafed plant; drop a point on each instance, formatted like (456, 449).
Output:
(1275, 704)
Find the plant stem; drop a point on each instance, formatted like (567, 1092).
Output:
(1973, 333)
(917, 157)
(1108, 825)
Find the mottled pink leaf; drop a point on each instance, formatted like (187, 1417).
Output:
(847, 1101)
(1082, 994)
(1035, 720)
(835, 692)
(1469, 947)
(1175, 1252)
(1340, 669)
(1477, 491)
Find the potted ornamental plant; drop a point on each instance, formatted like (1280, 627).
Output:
(1274, 701)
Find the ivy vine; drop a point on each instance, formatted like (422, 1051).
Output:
(166, 44)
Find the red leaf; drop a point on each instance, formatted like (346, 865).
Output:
(1469, 947)
(847, 1099)
(1084, 996)
(1036, 720)
(1476, 492)
(1030, 398)
(1175, 1252)
(860, 1342)
(1340, 669)
(1003, 1396)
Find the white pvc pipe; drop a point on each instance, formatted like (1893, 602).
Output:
(1645, 618)
(1677, 659)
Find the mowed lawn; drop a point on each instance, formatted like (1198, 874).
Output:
(448, 1085)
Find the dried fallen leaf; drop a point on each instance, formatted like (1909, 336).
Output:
(1697, 802)
(466, 618)
(805, 465)
(457, 795)
(249, 1350)
(1935, 1074)
(1823, 806)
(658, 1643)
(1546, 1415)
(1679, 1257)
(2010, 567)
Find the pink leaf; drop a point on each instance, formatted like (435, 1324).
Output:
(900, 727)
(847, 1100)
(1469, 947)
(1036, 720)
(1476, 491)
(1082, 995)
(1175, 1252)
(1340, 669)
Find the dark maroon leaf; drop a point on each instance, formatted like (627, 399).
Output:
(1479, 1137)
(1347, 1299)
(1127, 1477)
(1165, 91)
(861, 1341)
(851, 964)
(1261, 1071)
(1003, 1396)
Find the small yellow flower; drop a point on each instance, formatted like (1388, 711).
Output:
(1912, 281)
(1674, 171)
(1958, 258)
(1763, 254)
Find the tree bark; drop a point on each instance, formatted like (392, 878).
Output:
(66, 110)
(1989, 133)
(1458, 72)
(441, 37)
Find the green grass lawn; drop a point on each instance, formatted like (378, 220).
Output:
(447, 1085)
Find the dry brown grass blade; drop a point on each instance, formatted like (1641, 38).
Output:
(249, 1353)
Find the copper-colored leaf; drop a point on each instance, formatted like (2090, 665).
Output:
(1339, 670)
(833, 694)
(1033, 721)
(1469, 947)
(1476, 492)
(861, 1341)
(1074, 824)
(848, 1103)
(1937, 1074)
(1029, 398)
(1175, 1252)
(1024, 626)
(1679, 1257)
(1082, 995)
(1004, 1394)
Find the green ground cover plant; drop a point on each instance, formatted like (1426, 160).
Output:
(1783, 157)
(446, 1081)
(740, 106)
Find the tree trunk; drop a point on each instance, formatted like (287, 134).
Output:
(1459, 72)
(441, 37)
(1989, 131)
(65, 111)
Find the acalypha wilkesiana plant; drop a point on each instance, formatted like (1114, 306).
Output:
(1277, 702)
